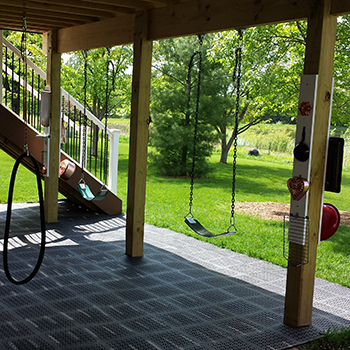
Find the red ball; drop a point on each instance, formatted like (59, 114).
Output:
(330, 221)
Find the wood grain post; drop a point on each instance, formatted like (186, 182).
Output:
(319, 55)
(53, 81)
(139, 122)
(1, 58)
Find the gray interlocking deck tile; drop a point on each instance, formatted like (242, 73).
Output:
(183, 294)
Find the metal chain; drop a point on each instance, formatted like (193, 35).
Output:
(199, 53)
(25, 71)
(237, 72)
(106, 117)
(83, 161)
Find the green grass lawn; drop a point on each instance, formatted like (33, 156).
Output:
(25, 185)
(258, 179)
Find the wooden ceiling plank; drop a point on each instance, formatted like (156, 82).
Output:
(84, 4)
(46, 14)
(75, 10)
(166, 2)
(136, 5)
(87, 7)
(30, 15)
(37, 28)
(340, 7)
(51, 8)
(110, 32)
(33, 18)
(35, 23)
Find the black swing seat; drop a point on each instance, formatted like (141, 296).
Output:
(198, 228)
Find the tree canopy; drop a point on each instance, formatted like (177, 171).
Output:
(272, 63)
(120, 81)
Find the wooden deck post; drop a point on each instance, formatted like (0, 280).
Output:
(139, 122)
(1, 82)
(53, 81)
(319, 57)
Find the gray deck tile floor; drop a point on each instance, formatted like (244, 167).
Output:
(182, 294)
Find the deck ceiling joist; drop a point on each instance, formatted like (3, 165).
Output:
(85, 24)
(77, 11)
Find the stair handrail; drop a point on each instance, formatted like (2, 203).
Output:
(112, 133)
(64, 93)
(30, 63)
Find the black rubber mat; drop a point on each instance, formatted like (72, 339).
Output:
(183, 294)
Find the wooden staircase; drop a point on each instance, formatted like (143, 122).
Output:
(11, 141)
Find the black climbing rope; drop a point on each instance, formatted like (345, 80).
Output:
(25, 154)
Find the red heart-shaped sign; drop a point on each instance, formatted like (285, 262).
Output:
(297, 187)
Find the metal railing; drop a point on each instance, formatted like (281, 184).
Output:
(16, 87)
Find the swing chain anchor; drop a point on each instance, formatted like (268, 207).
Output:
(104, 188)
(189, 214)
(26, 149)
(82, 182)
(232, 228)
(200, 39)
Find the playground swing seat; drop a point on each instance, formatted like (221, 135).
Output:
(194, 224)
(87, 194)
(83, 188)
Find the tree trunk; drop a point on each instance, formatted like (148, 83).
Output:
(94, 129)
(226, 147)
(94, 140)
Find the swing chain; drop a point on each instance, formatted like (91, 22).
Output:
(105, 156)
(83, 161)
(199, 53)
(237, 72)
(25, 69)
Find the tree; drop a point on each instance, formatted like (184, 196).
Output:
(341, 92)
(271, 67)
(119, 92)
(119, 97)
(173, 105)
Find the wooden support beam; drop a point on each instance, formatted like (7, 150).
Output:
(319, 57)
(188, 18)
(205, 16)
(340, 7)
(110, 32)
(54, 82)
(139, 122)
(1, 34)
